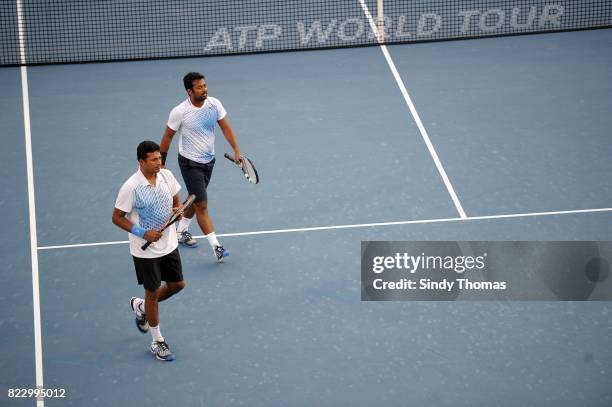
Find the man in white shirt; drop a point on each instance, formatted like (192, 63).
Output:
(194, 120)
(144, 204)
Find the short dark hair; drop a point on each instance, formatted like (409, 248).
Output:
(190, 77)
(145, 148)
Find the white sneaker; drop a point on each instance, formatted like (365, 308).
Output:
(162, 351)
(220, 253)
(187, 240)
(141, 318)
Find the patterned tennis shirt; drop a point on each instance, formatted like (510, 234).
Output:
(196, 128)
(150, 207)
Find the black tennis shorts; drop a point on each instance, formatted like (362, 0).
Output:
(151, 272)
(196, 176)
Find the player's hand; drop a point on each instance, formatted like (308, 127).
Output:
(152, 235)
(237, 157)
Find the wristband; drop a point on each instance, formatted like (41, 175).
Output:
(138, 231)
(164, 155)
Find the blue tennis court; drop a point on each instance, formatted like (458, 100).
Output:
(519, 126)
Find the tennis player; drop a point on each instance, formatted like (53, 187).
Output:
(148, 198)
(194, 120)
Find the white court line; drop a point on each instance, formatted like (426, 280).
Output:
(31, 205)
(415, 115)
(362, 225)
(70, 246)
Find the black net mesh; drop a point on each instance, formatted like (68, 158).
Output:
(66, 31)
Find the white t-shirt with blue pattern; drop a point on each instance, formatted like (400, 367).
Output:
(150, 207)
(196, 128)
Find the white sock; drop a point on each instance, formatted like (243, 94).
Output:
(156, 334)
(212, 239)
(183, 224)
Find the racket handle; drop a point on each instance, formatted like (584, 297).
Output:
(144, 246)
(229, 157)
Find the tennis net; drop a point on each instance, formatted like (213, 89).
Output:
(68, 31)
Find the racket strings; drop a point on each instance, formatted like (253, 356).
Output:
(180, 210)
(249, 170)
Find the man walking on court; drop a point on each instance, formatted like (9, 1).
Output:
(194, 120)
(148, 198)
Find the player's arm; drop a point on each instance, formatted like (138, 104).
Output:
(164, 145)
(229, 135)
(120, 220)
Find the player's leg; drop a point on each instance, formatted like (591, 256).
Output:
(143, 267)
(206, 224)
(193, 179)
(151, 274)
(169, 289)
(204, 221)
(151, 307)
(172, 274)
(159, 347)
(197, 177)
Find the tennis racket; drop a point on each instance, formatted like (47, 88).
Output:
(247, 167)
(175, 216)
